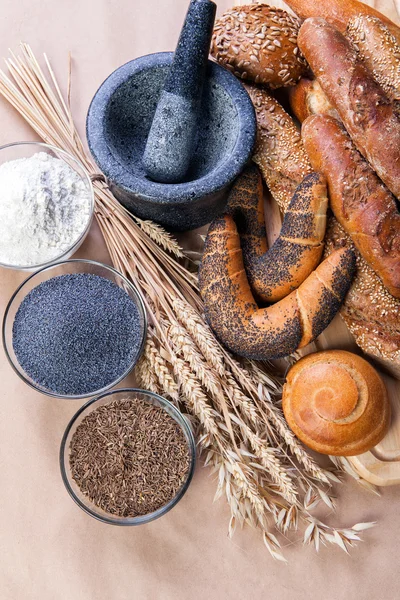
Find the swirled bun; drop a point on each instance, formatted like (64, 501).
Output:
(336, 403)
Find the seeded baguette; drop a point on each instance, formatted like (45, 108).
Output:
(339, 12)
(259, 43)
(370, 312)
(281, 328)
(359, 200)
(366, 111)
(379, 51)
(279, 151)
(275, 273)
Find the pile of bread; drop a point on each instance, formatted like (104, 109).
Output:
(339, 65)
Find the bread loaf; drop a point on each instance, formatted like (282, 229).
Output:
(259, 43)
(339, 12)
(360, 202)
(369, 311)
(308, 98)
(379, 51)
(275, 273)
(364, 108)
(281, 328)
(279, 151)
(336, 403)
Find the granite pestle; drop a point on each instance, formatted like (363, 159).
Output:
(170, 142)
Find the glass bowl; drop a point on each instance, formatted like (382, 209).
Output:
(73, 489)
(26, 150)
(66, 268)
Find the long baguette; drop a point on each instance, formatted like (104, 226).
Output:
(369, 310)
(281, 328)
(361, 203)
(379, 51)
(339, 12)
(366, 111)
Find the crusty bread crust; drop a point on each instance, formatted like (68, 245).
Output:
(359, 200)
(307, 98)
(367, 113)
(339, 12)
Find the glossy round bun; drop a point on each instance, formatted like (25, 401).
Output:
(336, 403)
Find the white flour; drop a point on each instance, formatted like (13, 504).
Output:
(44, 207)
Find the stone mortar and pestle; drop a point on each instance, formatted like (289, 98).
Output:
(172, 131)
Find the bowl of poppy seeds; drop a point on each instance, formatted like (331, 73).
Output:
(127, 457)
(74, 329)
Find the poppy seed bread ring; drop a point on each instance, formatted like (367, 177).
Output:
(281, 328)
(275, 273)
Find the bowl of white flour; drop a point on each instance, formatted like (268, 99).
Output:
(46, 205)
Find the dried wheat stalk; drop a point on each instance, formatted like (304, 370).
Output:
(267, 477)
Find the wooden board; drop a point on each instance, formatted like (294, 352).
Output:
(380, 466)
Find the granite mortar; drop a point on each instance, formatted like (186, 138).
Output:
(118, 124)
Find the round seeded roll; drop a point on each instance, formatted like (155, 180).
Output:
(259, 43)
(336, 403)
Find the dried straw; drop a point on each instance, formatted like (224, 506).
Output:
(266, 476)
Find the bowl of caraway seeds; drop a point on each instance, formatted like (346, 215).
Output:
(74, 329)
(127, 457)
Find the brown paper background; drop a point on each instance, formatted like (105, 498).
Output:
(49, 549)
